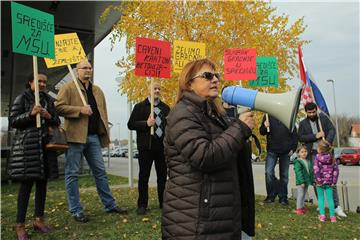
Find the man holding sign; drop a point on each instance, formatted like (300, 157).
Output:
(280, 144)
(150, 147)
(87, 131)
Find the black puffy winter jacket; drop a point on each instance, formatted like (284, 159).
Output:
(209, 193)
(27, 151)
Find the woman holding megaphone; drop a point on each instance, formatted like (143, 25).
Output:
(210, 192)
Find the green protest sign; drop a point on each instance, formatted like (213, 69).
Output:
(266, 72)
(32, 31)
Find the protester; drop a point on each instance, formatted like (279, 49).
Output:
(310, 133)
(86, 131)
(210, 192)
(326, 173)
(30, 162)
(280, 145)
(151, 147)
(304, 176)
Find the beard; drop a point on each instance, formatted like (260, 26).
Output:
(313, 118)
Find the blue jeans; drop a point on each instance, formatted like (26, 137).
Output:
(92, 152)
(273, 185)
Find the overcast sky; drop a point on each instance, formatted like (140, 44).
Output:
(332, 27)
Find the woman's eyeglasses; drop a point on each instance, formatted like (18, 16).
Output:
(208, 75)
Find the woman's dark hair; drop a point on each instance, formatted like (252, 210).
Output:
(30, 78)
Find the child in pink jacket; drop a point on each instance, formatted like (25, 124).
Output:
(326, 173)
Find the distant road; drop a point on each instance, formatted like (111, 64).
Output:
(351, 174)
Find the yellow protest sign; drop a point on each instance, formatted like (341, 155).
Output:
(68, 50)
(185, 51)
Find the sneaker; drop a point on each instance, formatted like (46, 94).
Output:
(269, 200)
(299, 211)
(340, 212)
(305, 210)
(333, 219)
(322, 218)
(80, 217)
(141, 211)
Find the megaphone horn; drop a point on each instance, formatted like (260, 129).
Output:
(283, 106)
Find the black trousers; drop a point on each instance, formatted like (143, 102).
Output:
(146, 158)
(24, 196)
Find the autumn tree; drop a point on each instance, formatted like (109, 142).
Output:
(220, 25)
(344, 127)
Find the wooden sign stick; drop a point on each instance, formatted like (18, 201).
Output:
(152, 103)
(77, 85)
(36, 82)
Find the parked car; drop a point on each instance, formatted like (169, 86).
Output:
(135, 154)
(349, 155)
(105, 153)
(118, 152)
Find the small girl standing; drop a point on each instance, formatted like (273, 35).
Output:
(326, 173)
(304, 177)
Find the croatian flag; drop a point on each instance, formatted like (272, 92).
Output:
(311, 92)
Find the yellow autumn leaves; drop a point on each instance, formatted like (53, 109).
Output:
(220, 25)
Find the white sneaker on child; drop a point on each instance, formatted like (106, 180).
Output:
(340, 212)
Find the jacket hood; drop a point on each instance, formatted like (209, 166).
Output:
(325, 158)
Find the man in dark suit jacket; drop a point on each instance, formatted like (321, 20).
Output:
(310, 133)
(150, 147)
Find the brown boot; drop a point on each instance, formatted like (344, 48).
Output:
(39, 225)
(21, 232)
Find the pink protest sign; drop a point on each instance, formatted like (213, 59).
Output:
(240, 64)
(152, 58)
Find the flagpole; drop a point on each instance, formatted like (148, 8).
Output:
(301, 62)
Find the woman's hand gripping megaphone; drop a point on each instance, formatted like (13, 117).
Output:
(248, 118)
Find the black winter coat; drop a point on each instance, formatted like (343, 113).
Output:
(27, 151)
(210, 192)
(279, 140)
(307, 136)
(137, 121)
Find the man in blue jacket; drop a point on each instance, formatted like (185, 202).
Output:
(281, 144)
(310, 132)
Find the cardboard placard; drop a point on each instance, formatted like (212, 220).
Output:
(185, 51)
(68, 50)
(267, 72)
(240, 64)
(152, 58)
(32, 31)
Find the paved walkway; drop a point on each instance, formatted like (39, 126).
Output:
(351, 174)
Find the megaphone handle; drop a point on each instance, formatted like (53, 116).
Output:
(267, 119)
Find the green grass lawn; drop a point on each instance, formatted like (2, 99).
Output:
(272, 221)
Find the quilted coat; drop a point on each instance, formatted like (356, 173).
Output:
(326, 171)
(209, 193)
(27, 157)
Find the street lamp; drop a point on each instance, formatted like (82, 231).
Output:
(336, 117)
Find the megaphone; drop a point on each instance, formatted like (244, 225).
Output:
(283, 106)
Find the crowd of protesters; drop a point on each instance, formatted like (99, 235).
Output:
(201, 152)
